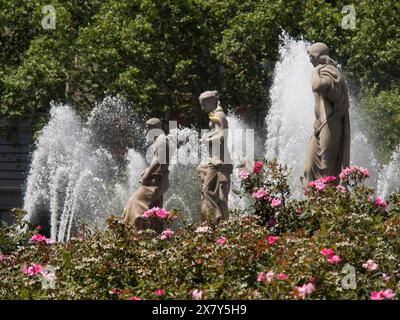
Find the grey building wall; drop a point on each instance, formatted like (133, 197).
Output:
(15, 145)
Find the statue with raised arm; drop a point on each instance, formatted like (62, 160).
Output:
(329, 147)
(215, 174)
(154, 182)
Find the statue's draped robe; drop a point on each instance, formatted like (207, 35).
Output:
(329, 147)
(216, 177)
(149, 194)
(215, 191)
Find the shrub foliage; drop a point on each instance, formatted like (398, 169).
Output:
(279, 248)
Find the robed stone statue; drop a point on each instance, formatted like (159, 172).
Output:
(215, 173)
(154, 181)
(329, 147)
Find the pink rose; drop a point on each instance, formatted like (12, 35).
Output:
(150, 213)
(261, 277)
(282, 276)
(159, 292)
(370, 265)
(327, 252)
(376, 296)
(382, 294)
(39, 238)
(271, 240)
(162, 213)
(114, 291)
(260, 194)
(222, 240)
(304, 290)
(135, 298)
(340, 188)
(334, 259)
(33, 270)
(276, 202)
(257, 166)
(197, 294)
(387, 294)
(244, 175)
(380, 202)
(166, 234)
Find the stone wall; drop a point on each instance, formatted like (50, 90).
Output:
(15, 145)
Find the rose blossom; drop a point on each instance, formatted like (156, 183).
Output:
(150, 213)
(41, 239)
(305, 290)
(257, 166)
(380, 202)
(162, 213)
(334, 259)
(340, 188)
(387, 294)
(261, 277)
(33, 270)
(260, 194)
(360, 171)
(159, 292)
(282, 276)
(197, 294)
(271, 240)
(370, 265)
(327, 252)
(166, 234)
(375, 296)
(156, 212)
(382, 294)
(269, 277)
(222, 240)
(244, 175)
(135, 298)
(276, 202)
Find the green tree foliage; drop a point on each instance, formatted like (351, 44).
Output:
(382, 119)
(161, 54)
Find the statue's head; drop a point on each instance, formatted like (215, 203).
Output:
(209, 100)
(153, 123)
(318, 52)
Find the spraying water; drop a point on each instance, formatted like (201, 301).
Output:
(390, 176)
(73, 179)
(291, 117)
(82, 172)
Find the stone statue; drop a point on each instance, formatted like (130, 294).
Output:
(329, 146)
(154, 181)
(215, 174)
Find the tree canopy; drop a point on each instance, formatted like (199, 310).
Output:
(161, 54)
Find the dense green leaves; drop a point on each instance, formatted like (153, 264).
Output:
(161, 54)
(227, 261)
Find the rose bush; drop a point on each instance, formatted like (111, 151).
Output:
(280, 248)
